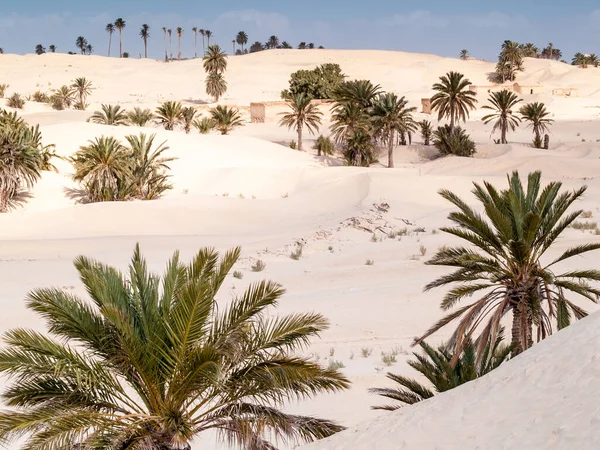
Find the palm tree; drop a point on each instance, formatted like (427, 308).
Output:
(464, 54)
(101, 167)
(208, 34)
(286, 45)
(453, 98)
(110, 115)
(358, 148)
(148, 166)
(503, 103)
(437, 366)
(273, 42)
(110, 29)
(151, 361)
(22, 159)
(507, 263)
(215, 60)
(390, 116)
(82, 87)
(170, 32)
(242, 39)
(81, 44)
(311, 46)
(302, 46)
(89, 49)
(52, 48)
(40, 49)
(453, 141)
(139, 117)
(63, 96)
(188, 114)
(204, 125)
(169, 114)
(179, 34)
(256, 47)
(426, 131)
(120, 25)
(303, 114)
(226, 119)
(165, 38)
(216, 86)
(202, 32)
(347, 119)
(361, 92)
(195, 31)
(538, 118)
(145, 34)
(529, 50)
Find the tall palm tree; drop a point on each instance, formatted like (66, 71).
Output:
(436, 365)
(169, 114)
(148, 166)
(165, 39)
(358, 148)
(52, 48)
(464, 54)
(506, 264)
(538, 118)
(502, 103)
(145, 34)
(202, 32)
(361, 92)
(216, 86)
(110, 29)
(110, 115)
(226, 119)
(208, 34)
(120, 25)
(89, 49)
(152, 361)
(303, 114)
(273, 42)
(82, 87)
(242, 39)
(215, 60)
(139, 117)
(453, 98)
(390, 115)
(195, 31)
(233, 47)
(170, 33)
(101, 167)
(81, 44)
(179, 34)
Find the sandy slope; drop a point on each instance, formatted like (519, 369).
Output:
(246, 189)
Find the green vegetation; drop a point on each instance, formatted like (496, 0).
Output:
(15, 101)
(215, 64)
(538, 119)
(226, 119)
(318, 83)
(303, 114)
(169, 114)
(110, 115)
(324, 146)
(502, 103)
(453, 98)
(139, 117)
(204, 125)
(455, 141)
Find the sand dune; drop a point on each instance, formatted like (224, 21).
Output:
(247, 189)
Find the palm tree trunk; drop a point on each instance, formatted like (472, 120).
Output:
(171, 47)
(120, 43)
(504, 125)
(203, 47)
(391, 149)
(109, 43)
(3, 201)
(299, 137)
(145, 48)
(179, 48)
(195, 45)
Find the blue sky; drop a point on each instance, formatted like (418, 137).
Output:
(439, 27)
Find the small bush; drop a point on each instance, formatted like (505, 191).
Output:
(330, 248)
(15, 101)
(335, 365)
(293, 145)
(388, 358)
(324, 146)
(586, 215)
(331, 352)
(56, 103)
(351, 356)
(139, 117)
(456, 142)
(259, 266)
(584, 226)
(374, 238)
(365, 352)
(369, 262)
(422, 250)
(80, 105)
(400, 232)
(238, 274)
(204, 125)
(40, 97)
(3, 88)
(297, 253)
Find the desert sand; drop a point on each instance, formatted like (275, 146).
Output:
(248, 189)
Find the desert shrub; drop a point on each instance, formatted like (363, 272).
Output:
(63, 97)
(3, 88)
(139, 117)
(110, 115)
(40, 97)
(318, 83)
(453, 141)
(226, 119)
(204, 125)
(296, 254)
(169, 114)
(324, 146)
(238, 274)
(293, 145)
(187, 118)
(80, 105)
(365, 352)
(15, 101)
(258, 266)
(426, 131)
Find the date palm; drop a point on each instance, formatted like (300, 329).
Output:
(52, 48)
(215, 60)
(303, 114)
(426, 131)
(241, 39)
(195, 31)
(273, 42)
(145, 35)
(120, 25)
(179, 34)
(348, 118)
(538, 118)
(63, 96)
(464, 54)
(81, 44)
(202, 32)
(204, 125)
(164, 29)
(361, 92)
(103, 169)
(82, 87)
(188, 114)
(208, 34)
(169, 114)
(110, 29)
(358, 148)
(151, 361)
(139, 117)
(507, 265)
(170, 33)
(89, 49)
(226, 119)
(40, 49)
(390, 115)
(437, 366)
(110, 115)
(502, 103)
(453, 98)
(148, 166)
(216, 86)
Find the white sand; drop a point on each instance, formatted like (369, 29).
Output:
(247, 190)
